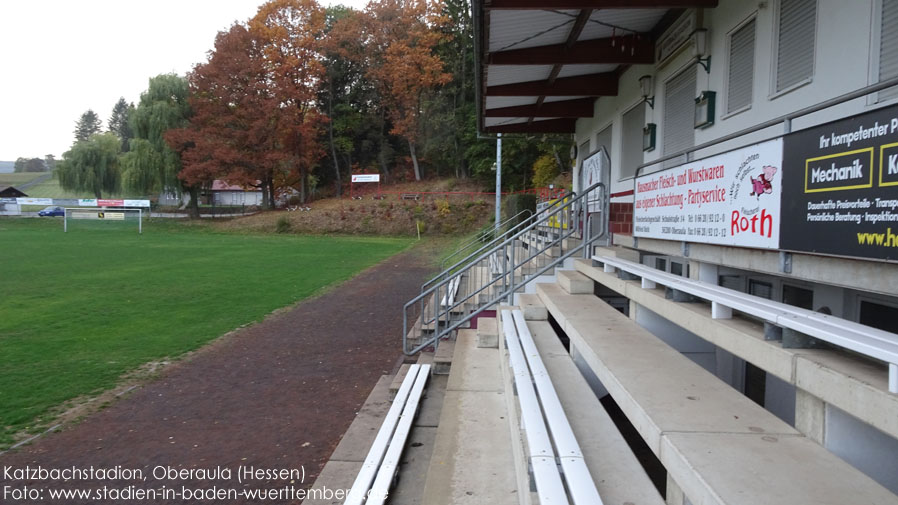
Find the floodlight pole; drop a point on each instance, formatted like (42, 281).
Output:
(498, 180)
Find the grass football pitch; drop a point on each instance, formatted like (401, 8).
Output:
(80, 309)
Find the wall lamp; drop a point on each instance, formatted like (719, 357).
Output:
(700, 48)
(645, 84)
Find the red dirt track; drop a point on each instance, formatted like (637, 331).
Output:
(276, 395)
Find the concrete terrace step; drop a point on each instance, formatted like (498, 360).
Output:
(345, 462)
(618, 475)
(472, 461)
(442, 358)
(714, 442)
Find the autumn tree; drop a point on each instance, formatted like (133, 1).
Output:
(255, 122)
(401, 36)
(356, 134)
(290, 32)
(88, 124)
(92, 166)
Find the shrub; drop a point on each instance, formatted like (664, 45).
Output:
(442, 207)
(283, 225)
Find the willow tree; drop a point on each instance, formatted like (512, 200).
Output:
(151, 165)
(92, 165)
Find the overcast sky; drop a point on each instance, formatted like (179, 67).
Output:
(60, 58)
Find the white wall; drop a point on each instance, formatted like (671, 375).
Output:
(843, 63)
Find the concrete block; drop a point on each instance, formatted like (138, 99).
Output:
(532, 307)
(442, 358)
(487, 332)
(396, 383)
(575, 283)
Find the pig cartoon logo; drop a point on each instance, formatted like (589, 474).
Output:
(764, 182)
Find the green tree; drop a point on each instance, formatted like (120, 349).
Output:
(151, 165)
(119, 122)
(88, 124)
(92, 166)
(20, 164)
(545, 169)
(35, 165)
(50, 161)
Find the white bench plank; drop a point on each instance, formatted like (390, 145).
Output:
(379, 447)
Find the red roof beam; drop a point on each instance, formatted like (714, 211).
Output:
(582, 85)
(597, 4)
(627, 50)
(547, 126)
(566, 109)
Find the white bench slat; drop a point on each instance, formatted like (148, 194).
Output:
(580, 484)
(381, 487)
(363, 480)
(541, 455)
(857, 337)
(451, 290)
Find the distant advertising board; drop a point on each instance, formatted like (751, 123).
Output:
(841, 187)
(366, 178)
(93, 202)
(34, 201)
(729, 199)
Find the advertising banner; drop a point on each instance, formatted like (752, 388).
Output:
(840, 182)
(34, 201)
(729, 199)
(366, 178)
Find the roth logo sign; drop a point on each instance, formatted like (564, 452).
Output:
(757, 224)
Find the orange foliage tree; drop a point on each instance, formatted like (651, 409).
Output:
(255, 121)
(400, 38)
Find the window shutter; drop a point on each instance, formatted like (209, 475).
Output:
(631, 142)
(795, 47)
(740, 75)
(888, 47)
(679, 114)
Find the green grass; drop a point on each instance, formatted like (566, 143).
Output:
(17, 179)
(81, 309)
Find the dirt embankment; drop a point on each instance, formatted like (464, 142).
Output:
(439, 209)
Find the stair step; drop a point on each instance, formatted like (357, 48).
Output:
(442, 358)
(532, 307)
(487, 332)
(472, 462)
(575, 283)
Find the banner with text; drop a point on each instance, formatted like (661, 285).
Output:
(365, 177)
(729, 199)
(841, 183)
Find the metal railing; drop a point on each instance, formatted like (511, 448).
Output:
(482, 237)
(506, 265)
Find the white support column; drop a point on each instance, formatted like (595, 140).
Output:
(675, 495)
(647, 284)
(893, 378)
(719, 311)
(608, 269)
(810, 415)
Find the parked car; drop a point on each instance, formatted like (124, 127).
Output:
(52, 211)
